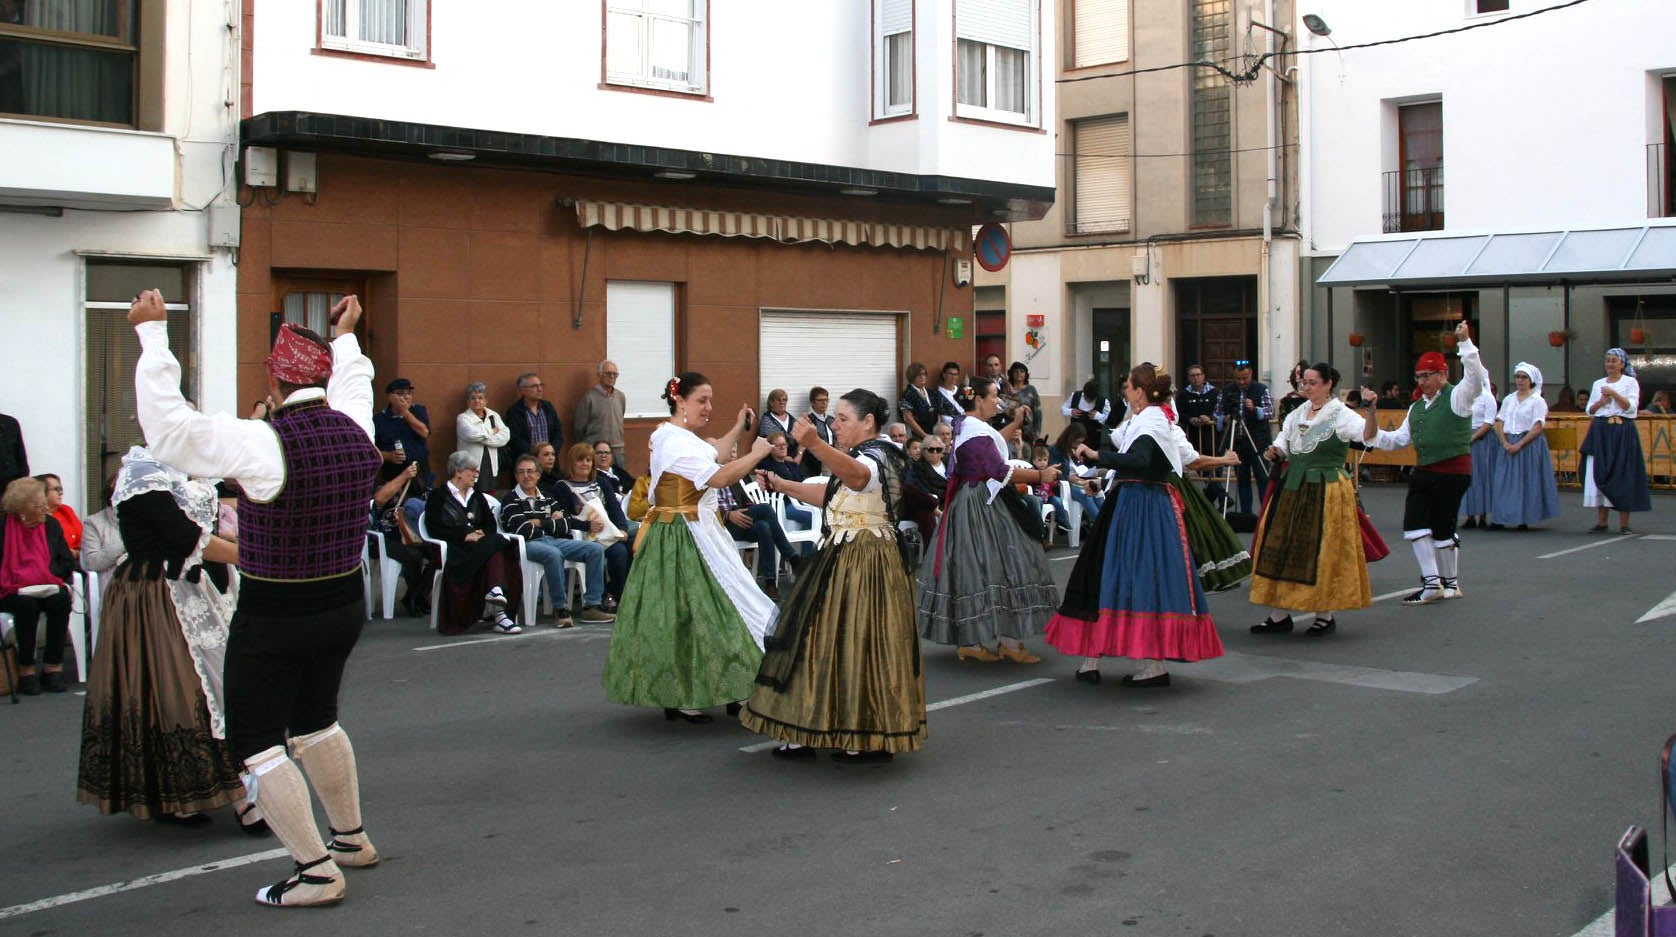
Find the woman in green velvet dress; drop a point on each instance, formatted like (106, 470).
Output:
(842, 668)
(690, 625)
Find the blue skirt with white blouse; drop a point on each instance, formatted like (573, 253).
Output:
(1524, 491)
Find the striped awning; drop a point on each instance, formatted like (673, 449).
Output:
(617, 216)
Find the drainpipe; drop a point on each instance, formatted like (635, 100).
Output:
(1265, 289)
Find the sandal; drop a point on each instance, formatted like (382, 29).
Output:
(1598, 529)
(1321, 627)
(1625, 530)
(315, 889)
(256, 827)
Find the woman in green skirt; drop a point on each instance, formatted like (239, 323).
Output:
(690, 626)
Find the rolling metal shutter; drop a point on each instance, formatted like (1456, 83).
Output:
(839, 351)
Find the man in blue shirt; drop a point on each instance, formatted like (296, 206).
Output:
(401, 432)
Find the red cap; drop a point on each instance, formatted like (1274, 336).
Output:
(297, 359)
(1432, 361)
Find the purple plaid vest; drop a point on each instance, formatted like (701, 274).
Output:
(314, 528)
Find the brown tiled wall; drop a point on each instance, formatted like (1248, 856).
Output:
(475, 271)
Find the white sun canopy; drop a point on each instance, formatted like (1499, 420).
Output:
(1432, 260)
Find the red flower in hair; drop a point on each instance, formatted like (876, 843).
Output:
(670, 389)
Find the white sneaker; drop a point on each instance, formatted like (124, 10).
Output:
(506, 625)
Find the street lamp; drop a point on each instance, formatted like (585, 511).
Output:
(1317, 25)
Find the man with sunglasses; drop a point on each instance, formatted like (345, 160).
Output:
(1439, 425)
(1242, 416)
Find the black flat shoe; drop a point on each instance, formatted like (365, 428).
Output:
(733, 709)
(1270, 626)
(1162, 680)
(1091, 677)
(29, 685)
(191, 819)
(1321, 627)
(697, 719)
(52, 681)
(1598, 529)
(862, 758)
(800, 753)
(1471, 523)
(257, 827)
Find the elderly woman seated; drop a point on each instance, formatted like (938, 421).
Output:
(596, 512)
(481, 577)
(35, 567)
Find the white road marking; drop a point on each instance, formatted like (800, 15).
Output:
(138, 883)
(942, 704)
(582, 634)
(1250, 668)
(1392, 595)
(1587, 546)
(1658, 536)
(1667, 607)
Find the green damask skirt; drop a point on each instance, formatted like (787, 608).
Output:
(678, 642)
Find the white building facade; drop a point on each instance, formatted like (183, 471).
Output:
(1516, 173)
(118, 127)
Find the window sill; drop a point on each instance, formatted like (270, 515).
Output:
(373, 57)
(660, 92)
(1094, 68)
(1004, 125)
(893, 119)
(1075, 233)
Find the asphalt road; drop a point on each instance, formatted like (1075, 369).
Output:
(1463, 768)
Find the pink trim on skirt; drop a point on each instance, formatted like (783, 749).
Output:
(1138, 635)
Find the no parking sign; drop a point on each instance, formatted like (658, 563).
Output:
(993, 246)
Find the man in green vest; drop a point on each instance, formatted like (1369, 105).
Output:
(1439, 426)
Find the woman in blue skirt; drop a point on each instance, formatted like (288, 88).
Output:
(1486, 455)
(1524, 491)
(1614, 474)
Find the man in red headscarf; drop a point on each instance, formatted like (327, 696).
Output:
(307, 478)
(1439, 425)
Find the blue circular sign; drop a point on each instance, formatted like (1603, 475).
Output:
(993, 246)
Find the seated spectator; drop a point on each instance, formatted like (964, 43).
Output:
(61, 512)
(481, 578)
(1391, 397)
(605, 462)
(1085, 490)
(945, 434)
(927, 482)
(416, 568)
(780, 462)
(898, 433)
(545, 526)
(35, 567)
(547, 460)
(1661, 403)
(101, 539)
(598, 514)
(1565, 401)
(482, 433)
(749, 523)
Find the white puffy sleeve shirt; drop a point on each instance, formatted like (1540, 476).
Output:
(1518, 416)
(1628, 386)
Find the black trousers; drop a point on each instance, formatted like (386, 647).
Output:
(1434, 502)
(282, 674)
(26, 616)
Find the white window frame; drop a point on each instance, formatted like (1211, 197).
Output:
(418, 45)
(640, 321)
(882, 62)
(698, 81)
(1031, 117)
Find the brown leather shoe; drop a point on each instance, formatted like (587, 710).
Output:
(1020, 656)
(976, 652)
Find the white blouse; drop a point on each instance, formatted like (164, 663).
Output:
(1628, 386)
(1295, 435)
(679, 450)
(1518, 416)
(1483, 410)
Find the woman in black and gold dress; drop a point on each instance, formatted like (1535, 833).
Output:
(841, 669)
(152, 730)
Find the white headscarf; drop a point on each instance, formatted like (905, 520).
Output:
(1531, 371)
(1150, 422)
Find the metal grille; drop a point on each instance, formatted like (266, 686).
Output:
(1213, 186)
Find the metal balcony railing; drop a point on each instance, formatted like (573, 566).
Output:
(1413, 199)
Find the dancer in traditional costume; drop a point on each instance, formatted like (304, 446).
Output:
(842, 668)
(1486, 451)
(983, 579)
(153, 731)
(1614, 474)
(1308, 543)
(307, 476)
(1439, 425)
(1134, 591)
(690, 627)
(1221, 559)
(1525, 491)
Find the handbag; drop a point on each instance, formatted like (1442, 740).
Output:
(409, 537)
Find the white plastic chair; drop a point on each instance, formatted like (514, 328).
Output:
(93, 591)
(533, 572)
(389, 573)
(441, 561)
(366, 579)
(1073, 515)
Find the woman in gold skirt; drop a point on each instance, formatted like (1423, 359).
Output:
(1307, 552)
(841, 669)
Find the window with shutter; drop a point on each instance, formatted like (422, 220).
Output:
(893, 58)
(661, 44)
(640, 338)
(837, 350)
(997, 60)
(1099, 32)
(394, 28)
(1101, 169)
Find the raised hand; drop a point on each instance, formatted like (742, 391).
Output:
(345, 314)
(760, 447)
(147, 307)
(804, 431)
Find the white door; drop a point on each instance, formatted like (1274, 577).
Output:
(839, 351)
